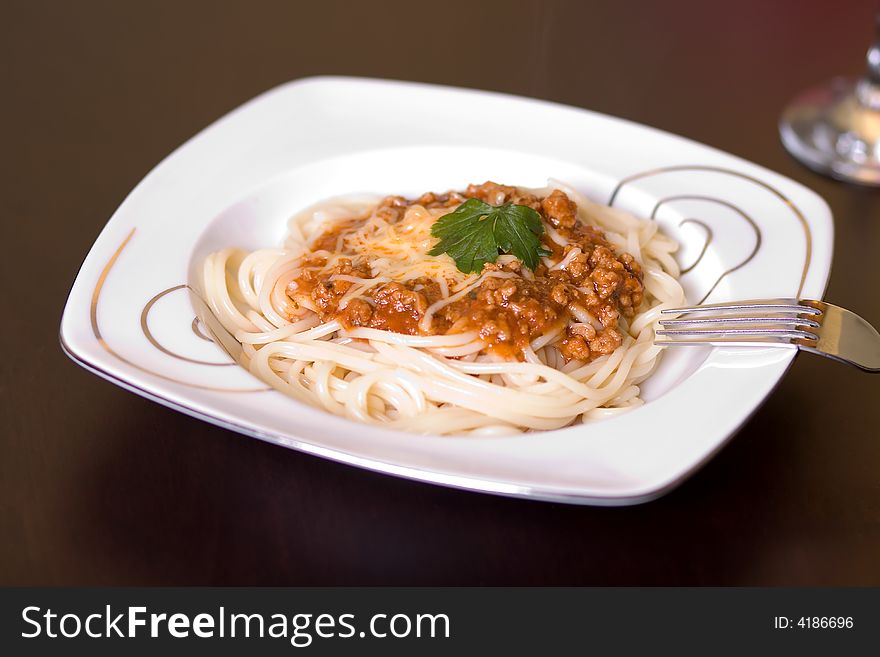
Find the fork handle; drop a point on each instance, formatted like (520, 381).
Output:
(845, 337)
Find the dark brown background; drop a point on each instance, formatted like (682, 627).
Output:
(98, 486)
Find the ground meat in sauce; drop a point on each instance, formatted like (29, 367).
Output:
(508, 312)
(559, 210)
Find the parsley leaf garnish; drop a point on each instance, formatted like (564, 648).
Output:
(476, 232)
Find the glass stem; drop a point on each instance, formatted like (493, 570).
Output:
(868, 88)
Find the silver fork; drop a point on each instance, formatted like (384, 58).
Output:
(815, 326)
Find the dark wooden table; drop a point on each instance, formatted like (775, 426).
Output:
(98, 486)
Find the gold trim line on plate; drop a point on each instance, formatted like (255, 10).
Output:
(710, 235)
(96, 329)
(196, 328)
(145, 327)
(808, 237)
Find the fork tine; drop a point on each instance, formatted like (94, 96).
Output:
(735, 341)
(709, 333)
(759, 305)
(767, 321)
(726, 321)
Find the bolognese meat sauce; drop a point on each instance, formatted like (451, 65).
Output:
(582, 298)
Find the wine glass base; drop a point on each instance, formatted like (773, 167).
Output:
(832, 130)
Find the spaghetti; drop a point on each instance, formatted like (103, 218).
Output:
(352, 315)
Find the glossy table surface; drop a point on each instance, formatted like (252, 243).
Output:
(98, 486)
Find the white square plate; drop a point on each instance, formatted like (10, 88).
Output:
(751, 233)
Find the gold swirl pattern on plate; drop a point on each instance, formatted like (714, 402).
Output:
(96, 329)
(196, 328)
(145, 327)
(710, 235)
(739, 211)
(802, 221)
